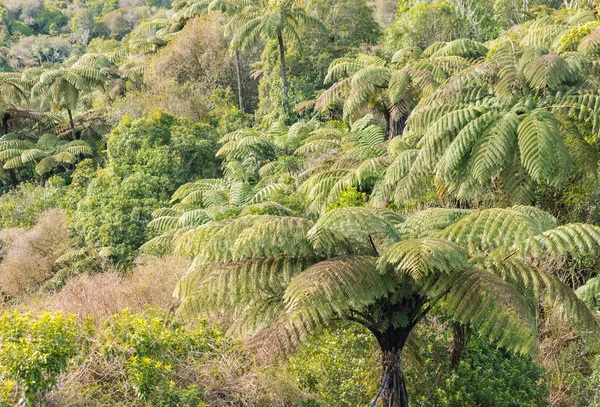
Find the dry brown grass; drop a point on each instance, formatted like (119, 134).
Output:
(150, 283)
(227, 378)
(565, 356)
(28, 256)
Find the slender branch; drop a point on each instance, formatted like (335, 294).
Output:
(429, 307)
(363, 315)
(361, 321)
(373, 244)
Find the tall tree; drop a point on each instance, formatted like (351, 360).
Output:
(510, 122)
(391, 89)
(271, 20)
(286, 276)
(230, 7)
(62, 87)
(11, 94)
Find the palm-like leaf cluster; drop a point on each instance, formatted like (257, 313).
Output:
(367, 265)
(44, 153)
(369, 83)
(510, 122)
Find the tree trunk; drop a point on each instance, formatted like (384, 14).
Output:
(460, 338)
(13, 177)
(394, 383)
(238, 70)
(72, 124)
(395, 127)
(283, 72)
(5, 124)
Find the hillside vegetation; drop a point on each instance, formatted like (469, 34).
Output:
(248, 203)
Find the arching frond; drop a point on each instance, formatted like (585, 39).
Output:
(590, 292)
(493, 307)
(423, 259)
(430, 221)
(333, 288)
(355, 230)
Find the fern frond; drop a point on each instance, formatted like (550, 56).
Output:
(355, 230)
(333, 288)
(494, 308)
(423, 259)
(590, 292)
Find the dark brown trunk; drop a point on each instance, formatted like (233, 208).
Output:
(394, 127)
(394, 384)
(13, 177)
(283, 72)
(460, 338)
(5, 124)
(238, 70)
(72, 124)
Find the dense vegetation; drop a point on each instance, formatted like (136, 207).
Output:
(299, 203)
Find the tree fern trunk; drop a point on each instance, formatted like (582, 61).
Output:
(238, 70)
(5, 124)
(394, 383)
(72, 124)
(460, 337)
(283, 72)
(395, 127)
(13, 177)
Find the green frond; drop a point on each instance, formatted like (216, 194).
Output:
(236, 288)
(65, 157)
(548, 72)
(334, 287)
(46, 165)
(534, 281)
(423, 259)
(574, 240)
(394, 175)
(436, 46)
(193, 218)
(543, 152)
(14, 145)
(370, 136)
(426, 223)
(240, 193)
(458, 150)
(590, 292)
(590, 43)
(463, 47)
(12, 163)
(10, 153)
(163, 223)
(272, 236)
(355, 230)
(492, 228)
(493, 307)
(265, 193)
(517, 184)
(491, 151)
(32, 155)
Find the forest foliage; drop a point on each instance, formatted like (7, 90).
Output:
(299, 203)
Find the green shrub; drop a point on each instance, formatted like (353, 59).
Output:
(20, 207)
(348, 197)
(340, 368)
(33, 352)
(147, 160)
(335, 367)
(146, 360)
